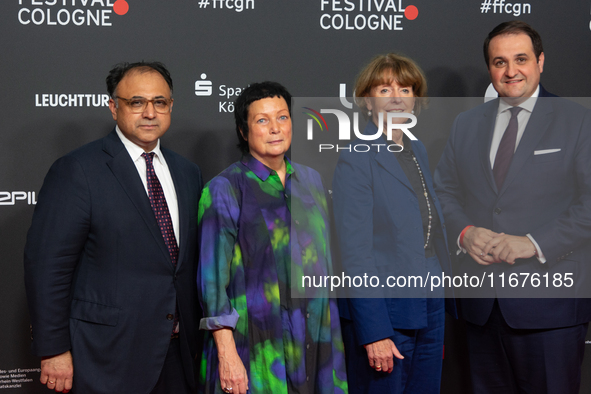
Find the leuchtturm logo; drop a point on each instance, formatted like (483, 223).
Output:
(344, 133)
(70, 12)
(71, 100)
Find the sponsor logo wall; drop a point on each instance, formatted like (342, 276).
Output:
(56, 55)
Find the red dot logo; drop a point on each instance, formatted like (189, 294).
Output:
(411, 12)
(121, 7)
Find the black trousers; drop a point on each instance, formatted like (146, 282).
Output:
(506, 360)
(172, 378)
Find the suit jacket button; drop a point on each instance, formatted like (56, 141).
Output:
(170, 316)
(498, 210)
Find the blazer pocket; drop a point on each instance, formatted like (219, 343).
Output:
(545, 155)
(94, 313)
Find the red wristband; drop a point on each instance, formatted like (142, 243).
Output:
(462, 235)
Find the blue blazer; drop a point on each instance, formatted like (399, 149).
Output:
(98, 275)
(547, 195)
(380, 231)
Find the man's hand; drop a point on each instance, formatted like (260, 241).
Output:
(381, 355)
(57, 372)
(475, 240)
(510, 247)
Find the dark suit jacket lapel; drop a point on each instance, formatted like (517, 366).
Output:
(126, 173)
(545, 93)
(536, 127)
(385, 158)
(183, 202)
(390, 164)
(485, 132)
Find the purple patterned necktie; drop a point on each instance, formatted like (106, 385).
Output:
(160, 208)
(506, 149)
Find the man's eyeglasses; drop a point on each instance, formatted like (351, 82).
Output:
(137, 105)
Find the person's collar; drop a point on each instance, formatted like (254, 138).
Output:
(261, 170)
(136, 151)
(528, 104)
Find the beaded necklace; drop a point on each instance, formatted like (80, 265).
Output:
(426, 198)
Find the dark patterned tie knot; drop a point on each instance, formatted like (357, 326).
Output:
(514, 111)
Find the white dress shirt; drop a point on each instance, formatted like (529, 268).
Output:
(162, 172)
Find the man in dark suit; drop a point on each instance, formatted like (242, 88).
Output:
(111, 255)
(515, 185)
